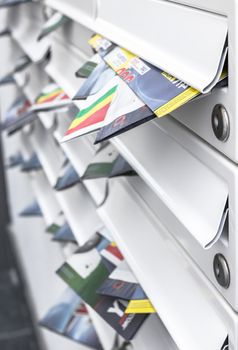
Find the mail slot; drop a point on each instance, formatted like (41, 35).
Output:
(147, 237)
(25, 31)
(202, 217)
(188, 39)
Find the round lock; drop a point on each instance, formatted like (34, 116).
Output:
(220, 122)
(221, 270)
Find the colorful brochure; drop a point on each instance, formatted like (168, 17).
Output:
(126, 112)
(92, 111)
(15, 160)
(22, 112)
(32, 209)
(88, 67)
(69, 317)
(126, 109)
(68, 177)
(85, 272)
(160, 91)
(32, 164)
(52, 97)
(53, 23)
(64, 234)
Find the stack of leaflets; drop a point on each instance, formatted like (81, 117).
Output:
(87, 271)
(69, 318)
(64, 234)
(53, 23)
(22, 112)
(32, 164)
(9, 3)
(32, 209)
(124, 91)
(15, 160)
(22, 63)
(107, 163)
(68, 177)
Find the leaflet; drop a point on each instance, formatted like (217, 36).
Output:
(69, 317)
(53, 23)
(33, 209)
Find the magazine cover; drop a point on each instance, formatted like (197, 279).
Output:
(14, 160)
(64, 234)
(85, 272)
(92, 111)
(32, 209)
(31, 164)
(69, 317)
(68, 177)
(160, 91)
(53, 23)
(88, 67)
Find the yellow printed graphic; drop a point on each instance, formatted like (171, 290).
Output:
(176, 102)
(140, 307)
(95, 41)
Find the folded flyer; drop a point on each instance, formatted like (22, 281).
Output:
(64, 234)
(126, 112)
(15, 160)
(92, 111)
(21, 63)
(22, 112)
(99, 77)
(32, 164)
(88, 67)
(69, 317)
(5, 32)
(85, 272)
(32, 209)
(53, 23)
(160, 91)
(52, 97)
(107, 164)
(68, 177)
(56, 224)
